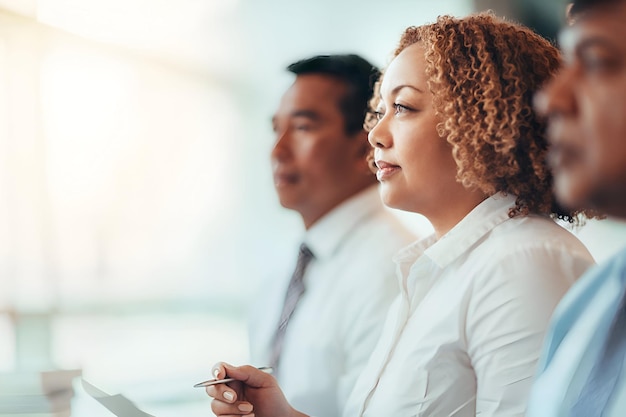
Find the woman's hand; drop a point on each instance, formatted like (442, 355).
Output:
(254, 393)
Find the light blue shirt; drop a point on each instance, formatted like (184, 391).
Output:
(579, 328)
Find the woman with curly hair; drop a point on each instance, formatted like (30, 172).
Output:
(455, 139)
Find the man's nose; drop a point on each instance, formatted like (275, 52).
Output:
(557, 97)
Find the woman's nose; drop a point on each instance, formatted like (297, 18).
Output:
(379, 136)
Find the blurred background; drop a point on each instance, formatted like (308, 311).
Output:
(137, 209)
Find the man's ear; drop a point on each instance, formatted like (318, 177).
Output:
(362, 147)
(362, 151)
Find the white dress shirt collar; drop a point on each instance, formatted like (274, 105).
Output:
(480, 221)
(326, 235)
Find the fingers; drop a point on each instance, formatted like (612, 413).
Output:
(222, 392)
(225, 399)
(224, 409)
(251, 376)
(218, 371)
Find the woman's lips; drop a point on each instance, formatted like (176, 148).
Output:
(385, 170)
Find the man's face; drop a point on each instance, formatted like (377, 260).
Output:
(586, 109)
(316, 164)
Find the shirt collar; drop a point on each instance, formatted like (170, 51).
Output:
(327, 234)
(476, 224)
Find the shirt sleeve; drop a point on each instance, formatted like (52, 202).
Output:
(507, 317)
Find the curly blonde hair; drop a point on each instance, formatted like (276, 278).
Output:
(483, 72)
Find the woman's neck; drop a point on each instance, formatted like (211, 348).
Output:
(454, 209)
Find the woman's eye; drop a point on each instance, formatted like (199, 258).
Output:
(399, 108)
(378, 115)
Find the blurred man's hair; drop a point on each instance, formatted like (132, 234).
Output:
(355, 72)
(580, 6)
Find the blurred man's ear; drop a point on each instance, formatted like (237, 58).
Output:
(362, 145)
(569, 18)
(363, 152)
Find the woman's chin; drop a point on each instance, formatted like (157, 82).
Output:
(393, 201)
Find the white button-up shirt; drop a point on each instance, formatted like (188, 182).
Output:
(464, 336)
(350, 285)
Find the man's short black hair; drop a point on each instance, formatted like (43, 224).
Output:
(355, 72)
(579, 6)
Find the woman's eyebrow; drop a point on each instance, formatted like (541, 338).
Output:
(397, 88)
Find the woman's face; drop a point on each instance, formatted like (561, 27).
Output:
(415, 165)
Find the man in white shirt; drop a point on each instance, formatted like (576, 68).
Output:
(320, 171)
(583, 369)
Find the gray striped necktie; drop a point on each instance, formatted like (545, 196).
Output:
(597, 391)
(294, 292)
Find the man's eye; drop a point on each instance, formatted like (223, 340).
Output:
(597, 60)
(303, 127)
(600, 64)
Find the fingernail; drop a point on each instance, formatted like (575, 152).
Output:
(229, 395)
(216, 372)
(245, 407)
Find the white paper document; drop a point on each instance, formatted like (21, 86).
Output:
(117, 404)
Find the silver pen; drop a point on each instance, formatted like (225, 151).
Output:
(266, 369)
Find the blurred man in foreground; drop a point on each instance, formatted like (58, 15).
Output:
(582, 371)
